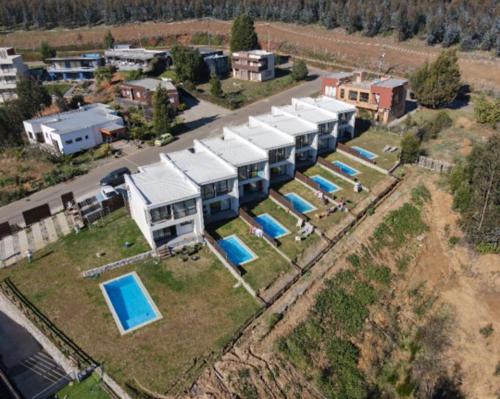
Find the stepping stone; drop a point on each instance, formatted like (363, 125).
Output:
(38, 240)
(63, 223)
(51, 229)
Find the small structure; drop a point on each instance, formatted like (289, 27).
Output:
(126, 58)
(255, 65)
(384, 98)
(74, 68)
(217, 63)
(140, 92)
(75, 131)
(11, 67)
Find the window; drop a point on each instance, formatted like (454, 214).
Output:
(185, 208)
(222, 187)
(278, 171)
(78, 139)
(220, 206)
(303, 141)
(342, 93)
(363, 97)
(248, 172)
(353, 95)
(214, 189)
(280, 154)
(69, 142)
(160, 213)
(86, 137)
(31, 135)
(208, 191)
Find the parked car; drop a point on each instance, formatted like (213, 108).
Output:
(108, 192)
(163, 139)
(115, 178)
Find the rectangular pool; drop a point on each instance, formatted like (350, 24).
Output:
(236, 250)
(129, 302)
(271, 226)
(364, 153)
(325, 184)
(346, 168)
(299, 203)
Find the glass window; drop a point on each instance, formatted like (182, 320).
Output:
(78, 139)
(353, 95)
(363, 97)
(342, 93)
(208, 191)
(280, 154)
(160, 213)
(69, 141)
(183, 209)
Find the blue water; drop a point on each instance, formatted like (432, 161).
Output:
(129, 302)
(345, 168)
(237, 252)
(325, 184)
(271, 226)
(364, 153)
(299, 203)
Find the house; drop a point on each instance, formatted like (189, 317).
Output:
(126, 58)
(384, 98)
(75, 131)
(215, 177)
(254, 65)
(11, 66)
(250, 161)
(216, 62)
(74, 68)
(140, 92)
(165, 204)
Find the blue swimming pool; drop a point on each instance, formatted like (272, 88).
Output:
(325, 184)
(236, 250)
(346, 168)
(271, 226)
(299, 203)
(364, 153)
(129, 302)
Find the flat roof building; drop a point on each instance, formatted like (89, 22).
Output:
(11, 67)
(75, 67)
(127, 58)
(254, 65)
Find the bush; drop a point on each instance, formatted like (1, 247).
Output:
(486, 331)
(101, 152)
(299, 70)
(410, 148)
(432, 128)
(487, 112)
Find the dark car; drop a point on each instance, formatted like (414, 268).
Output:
(115, 178)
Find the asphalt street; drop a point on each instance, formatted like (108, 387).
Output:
(204, 126)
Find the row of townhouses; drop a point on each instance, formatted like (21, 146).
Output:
(172, 200)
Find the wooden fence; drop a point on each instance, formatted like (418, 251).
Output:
(436, 165)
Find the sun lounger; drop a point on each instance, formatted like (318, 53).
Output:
(387, 148)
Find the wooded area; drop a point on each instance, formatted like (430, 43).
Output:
(473, 24)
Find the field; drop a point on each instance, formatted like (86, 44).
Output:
(335, 46)
(200, 306)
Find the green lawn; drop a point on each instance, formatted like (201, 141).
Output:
(347, 189)
(375, 140)
(54, 88)
(200, 306)
(323, 223)
(87, 389)
(269, 264)
(368, 177)
(288, 244)
(249, 92)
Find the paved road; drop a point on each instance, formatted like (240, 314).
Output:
(204, 126)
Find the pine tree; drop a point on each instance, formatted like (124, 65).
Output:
(243, 35)
(46, 51)
(215, 86)
(299, 70)
(162, 111)
(189, 66)
(410, 148)
(31, 97)
(438, 83)
(109, 40)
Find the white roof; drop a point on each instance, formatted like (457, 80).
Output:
(162, 183)
(201, 166)
(287, 124)
(328, 104)
(262, 137)
(307, 113)
(236, 152)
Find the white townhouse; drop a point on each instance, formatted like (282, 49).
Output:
(279, 147)
(165, 204)
(334, 119)
(216, 178)
(11, 68)
(75, 131)
(250, 161)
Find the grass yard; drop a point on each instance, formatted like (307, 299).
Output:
(60, 88)
(107, 236)
(368, 177)
(87, 389)
(288, 244)
(347, 189)
(324, 223)
(375, 140)
(269, 264)
(201, 311)
(248, 92)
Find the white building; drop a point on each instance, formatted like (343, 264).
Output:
(212, 179)
(75, 131)
(255, 65)
(11, 67)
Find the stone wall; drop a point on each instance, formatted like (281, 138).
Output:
(119, 263)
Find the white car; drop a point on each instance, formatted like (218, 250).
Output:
(108, 192)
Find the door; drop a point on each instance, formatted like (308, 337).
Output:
(185, 228)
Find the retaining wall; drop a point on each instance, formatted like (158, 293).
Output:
(119, 263)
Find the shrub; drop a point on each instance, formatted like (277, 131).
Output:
(486, 331)
(420, 194)
(102, 151)
(299, 70)
(453, 240)
(410, 148)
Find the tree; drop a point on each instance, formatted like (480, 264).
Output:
(46, 51)
(189, 65)
(438, 83)
(162, 111)
(32, 97)
(299, 70)
(215, 86)
(243, 35)
(104, 74)
(410, 148)
(109, 40)
(487, 112)
(76, 101)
